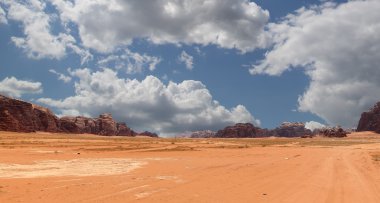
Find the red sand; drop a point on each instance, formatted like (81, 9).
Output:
(62, 168)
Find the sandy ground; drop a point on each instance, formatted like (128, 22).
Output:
(46, 167)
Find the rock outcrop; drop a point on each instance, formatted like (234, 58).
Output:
(147, 134)
(265, 133)
(203, 134)
(21, 116)
(240, 130)
(79, 125)
(288, 129)
(104, 125)
(247, 130)
(107, 126)
(124, 130)
(370, 120)
(333, 132)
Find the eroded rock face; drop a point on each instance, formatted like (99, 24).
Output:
(203, 134)
(288, 129)
(240, 130)
(247, 130)
(370, 120)
(107, 126)
(124, 130)
(265, 132)
(20, 116)
(45, 120)
(104, 125)
(79, 124)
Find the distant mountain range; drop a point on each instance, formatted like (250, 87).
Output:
(20, 116)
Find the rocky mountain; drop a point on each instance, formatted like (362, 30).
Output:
(79, 124)
(147, 134)
(239, 130)
(265, 132)
(203, 134)
(21, 116)
(124, 130)
(370, 120)
(104, 125)
(289, 129)
(247, 130)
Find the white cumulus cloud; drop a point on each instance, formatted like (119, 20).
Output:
(39, 41)
(61, 76)
(338, 45)
(187, 59)
(84, 54)
(313, 125)
(148, 104)
(3, 18)
(13, 87)
(107, 24)
(132, 62)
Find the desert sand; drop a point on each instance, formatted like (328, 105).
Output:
(43, 167)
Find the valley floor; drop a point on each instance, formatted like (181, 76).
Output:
(43, 167)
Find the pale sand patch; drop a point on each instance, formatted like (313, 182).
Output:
(74, 167)
(170, 178)
(117, 193)
(167, 177)
(147, 193)
(69, 180)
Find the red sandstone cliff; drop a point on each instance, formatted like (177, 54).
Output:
(21, 116)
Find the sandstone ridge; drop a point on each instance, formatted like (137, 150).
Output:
(241, 130)
(286, 129)
(21, 116)
(289, 129)
(248, 130)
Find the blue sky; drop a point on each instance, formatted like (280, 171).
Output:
(180, 66)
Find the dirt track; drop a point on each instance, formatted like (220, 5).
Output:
(58, 168)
